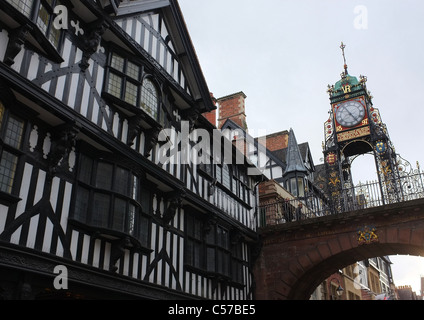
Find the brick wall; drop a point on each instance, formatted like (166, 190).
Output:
(277, 141)
(232, 107)
(211, 116)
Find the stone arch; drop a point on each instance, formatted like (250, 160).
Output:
(297, 257)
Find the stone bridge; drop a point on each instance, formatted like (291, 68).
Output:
(296, 257)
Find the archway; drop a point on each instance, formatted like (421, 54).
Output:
(295, 258)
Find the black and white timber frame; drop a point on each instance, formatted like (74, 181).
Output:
(56, 86)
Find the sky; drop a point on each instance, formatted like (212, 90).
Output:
(284, 53)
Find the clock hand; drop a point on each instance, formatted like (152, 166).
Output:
(350, 113)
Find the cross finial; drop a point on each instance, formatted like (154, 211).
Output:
(343, 46)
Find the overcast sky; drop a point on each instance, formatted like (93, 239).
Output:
(283, 53)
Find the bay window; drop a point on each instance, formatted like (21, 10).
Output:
(109, 196)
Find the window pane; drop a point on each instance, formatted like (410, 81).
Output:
(43, 19)
(133, 71)
(54, 36)
(115, 85)
(131, 92)
(122, 180)
(24, 6)
(149, 98)
(226, 181)
(118, 222)
(117, 63)
(218, 174)
(143, 230)
(131, 220)
(197, 229)
(8, 165)
(210, 236)
(134, 192)
(197, 255)
(81, 205)
(211, 259)
(301, 187)
(293, 187)
(14, 131)
(222, 238)
(145, 200)
(101, 207)
(85, 169)
(104, 176)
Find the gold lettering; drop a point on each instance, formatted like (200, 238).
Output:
(344, 136)
(347, 89)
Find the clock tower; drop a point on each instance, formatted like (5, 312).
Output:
(355, 128)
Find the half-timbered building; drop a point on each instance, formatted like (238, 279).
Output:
(94, 95)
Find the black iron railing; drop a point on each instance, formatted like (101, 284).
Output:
(362, 196)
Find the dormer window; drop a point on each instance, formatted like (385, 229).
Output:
(127, 83)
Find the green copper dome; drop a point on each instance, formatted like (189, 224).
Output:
(348, 80)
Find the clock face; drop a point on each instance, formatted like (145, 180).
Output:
(350, 114)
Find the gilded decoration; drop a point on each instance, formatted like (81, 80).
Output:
(367, 235)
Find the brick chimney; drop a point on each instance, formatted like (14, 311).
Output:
(211, 116)
(277, 141)
(232, 107)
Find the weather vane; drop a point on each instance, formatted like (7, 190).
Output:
(343, 46)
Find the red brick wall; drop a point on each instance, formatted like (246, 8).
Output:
(277, 141)
(211, 116)
(232, 107)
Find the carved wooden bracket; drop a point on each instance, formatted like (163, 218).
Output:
(134, 128)
(151, 139)
(175, 201)
(117, 251)
(192, 115)
(17, 38)
(212, 187)
(91, 41)
(62, 146)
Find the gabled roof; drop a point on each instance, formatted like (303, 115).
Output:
(230, 124)
(294, 158)
(184, 69)
(129, 7)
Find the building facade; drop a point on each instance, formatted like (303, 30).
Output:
(99, 102)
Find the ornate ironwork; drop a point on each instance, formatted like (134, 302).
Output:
(407, 186)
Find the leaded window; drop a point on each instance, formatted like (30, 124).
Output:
(11, 134)
(149, 98)
(208, 249)
(126, 82)
(41, 13)
(109, 196)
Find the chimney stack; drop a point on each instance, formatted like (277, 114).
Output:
(232, 107)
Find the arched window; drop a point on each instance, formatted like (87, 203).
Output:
(149, 98)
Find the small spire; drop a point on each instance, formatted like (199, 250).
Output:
(294, 161)
(343, 46)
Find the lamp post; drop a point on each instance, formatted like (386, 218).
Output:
(339, 290)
